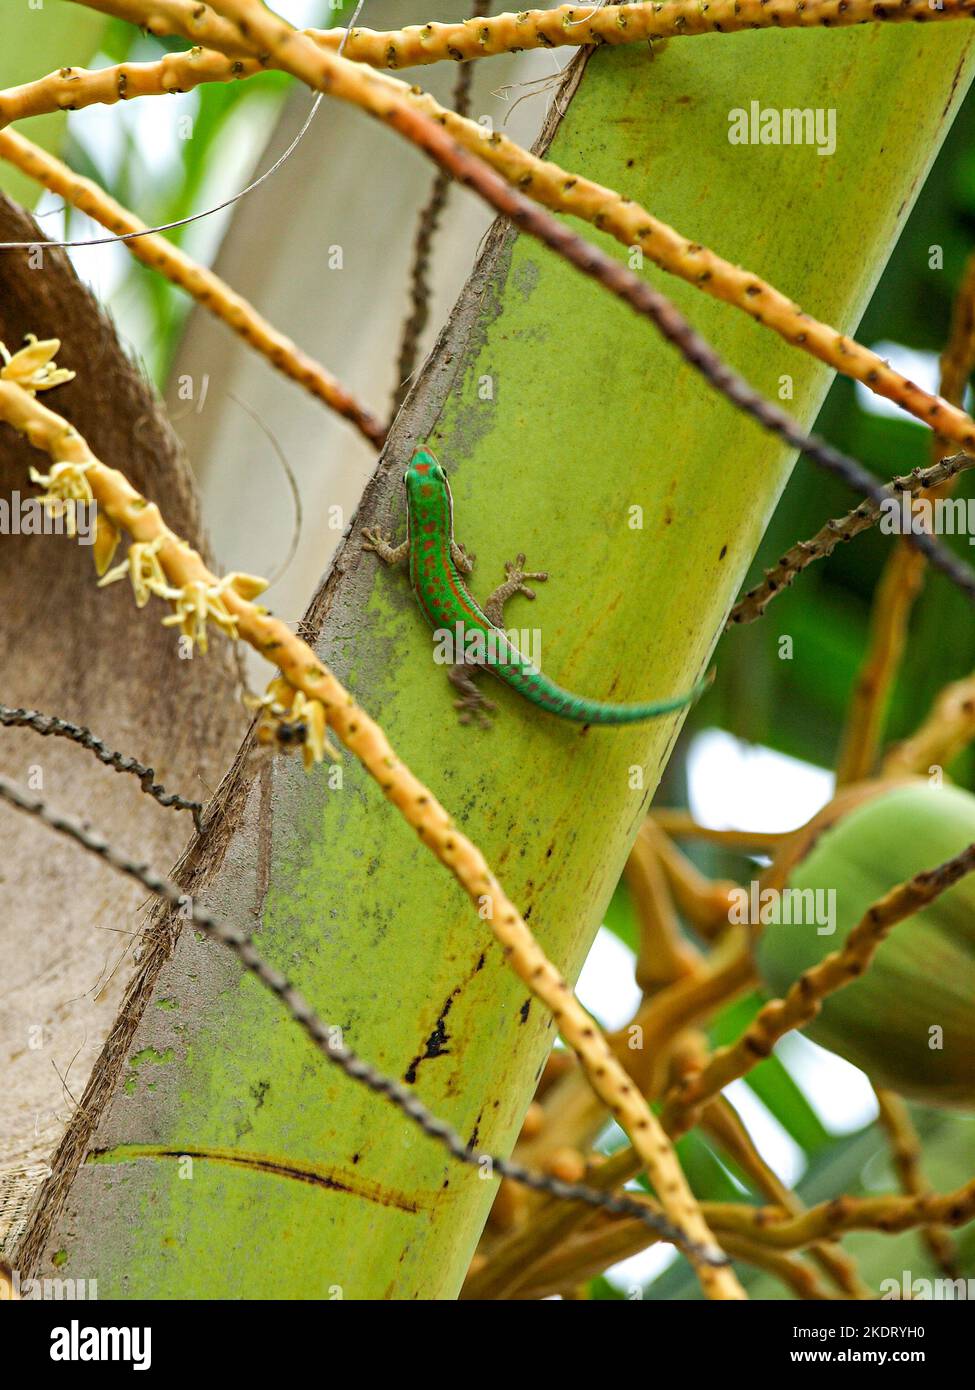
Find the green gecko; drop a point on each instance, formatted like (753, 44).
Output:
(437, 566)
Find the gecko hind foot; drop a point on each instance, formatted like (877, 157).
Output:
(472, 706)
(476, 711)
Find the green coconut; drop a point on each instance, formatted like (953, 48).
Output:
(909, 1021)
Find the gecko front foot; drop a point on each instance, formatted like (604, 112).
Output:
(473, 707)
(464, 562)
(375, 538)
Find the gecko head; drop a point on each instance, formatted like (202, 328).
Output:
(424, 476)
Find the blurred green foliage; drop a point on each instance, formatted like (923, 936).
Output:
(36, 41)
(797, 705)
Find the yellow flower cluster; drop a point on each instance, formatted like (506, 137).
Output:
(65, 485)
(194, 604)
(290, 720)
(33, 366)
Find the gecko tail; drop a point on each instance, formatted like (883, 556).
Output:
(579, 710)
(603, 713)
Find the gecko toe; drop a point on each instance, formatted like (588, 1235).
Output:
(475, 710)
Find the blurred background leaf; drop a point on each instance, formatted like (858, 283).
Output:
(797, 706)
(37, 41)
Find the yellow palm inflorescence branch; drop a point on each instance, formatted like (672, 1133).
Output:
(746, 1231)
(587, 26)
(578, 26)
(202, 284)
(905, 1148)
(541, 180)
(772, 1227)
(948, 729)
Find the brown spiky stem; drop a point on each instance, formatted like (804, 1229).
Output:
(903, 574)
(326, 1038)
(752, 605)
(49, 725)
(428, 221)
